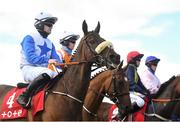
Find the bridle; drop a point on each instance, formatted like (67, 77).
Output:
(98, 59)
(113, 96)
(116, 93)
(116, 88)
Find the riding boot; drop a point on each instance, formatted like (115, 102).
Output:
(24, 99)
(135, 107)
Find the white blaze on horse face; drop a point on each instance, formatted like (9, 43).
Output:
(102, 46)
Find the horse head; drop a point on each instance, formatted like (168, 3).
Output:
(98, 50)
(112, 84)
(120, 91)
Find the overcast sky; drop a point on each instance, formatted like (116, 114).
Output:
(151, 27)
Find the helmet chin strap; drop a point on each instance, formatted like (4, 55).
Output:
(44, 34)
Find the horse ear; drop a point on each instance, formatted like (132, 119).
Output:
(97, 28)
(85, 27)
(120, 65)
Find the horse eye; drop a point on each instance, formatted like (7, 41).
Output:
(93, 41)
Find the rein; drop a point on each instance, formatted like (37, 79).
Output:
(69, 63)
(166, 100)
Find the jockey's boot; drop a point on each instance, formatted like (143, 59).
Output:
(135, 107)
(24, 99)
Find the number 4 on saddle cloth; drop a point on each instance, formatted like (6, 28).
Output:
(10, 109)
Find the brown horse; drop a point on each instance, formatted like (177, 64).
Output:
(112, 84)
(165, 105)
(64, 101)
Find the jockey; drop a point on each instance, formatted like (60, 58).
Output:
(68, 43)
(148, 77)
(137, 89)
(37, 51)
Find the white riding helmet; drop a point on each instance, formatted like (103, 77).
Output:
(44, 18)
(68, 37)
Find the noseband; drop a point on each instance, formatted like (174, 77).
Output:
(98, 59)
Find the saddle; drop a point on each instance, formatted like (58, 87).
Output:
(22, 85)
(48, 86)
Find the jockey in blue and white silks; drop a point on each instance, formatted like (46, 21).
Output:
(37, 51)
(148, 77)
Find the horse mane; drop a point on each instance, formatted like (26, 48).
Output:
(164, 85)
(76, 50)
(99, 72)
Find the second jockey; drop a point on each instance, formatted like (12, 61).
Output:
(68, 42)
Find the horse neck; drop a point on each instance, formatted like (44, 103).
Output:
(164, 108)
(166, 89)
(97, 89)
(75, 81)
(171, 109)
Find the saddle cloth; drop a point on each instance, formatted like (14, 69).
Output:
(10, 109)
(137, 116)
(113, 112)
